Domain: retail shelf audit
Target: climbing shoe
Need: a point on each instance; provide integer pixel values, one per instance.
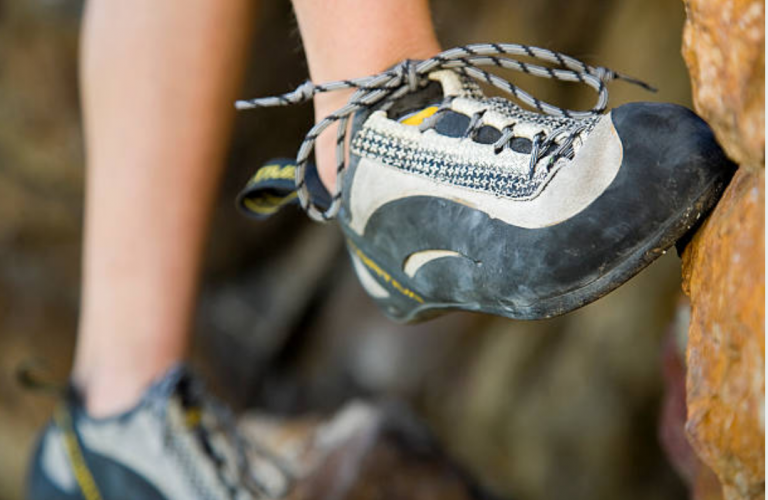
(176, 443)
(453, 200)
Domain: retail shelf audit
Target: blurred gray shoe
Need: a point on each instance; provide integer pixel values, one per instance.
(176, 443)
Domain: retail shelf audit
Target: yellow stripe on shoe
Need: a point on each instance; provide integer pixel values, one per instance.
(79, 466)
(268, 204)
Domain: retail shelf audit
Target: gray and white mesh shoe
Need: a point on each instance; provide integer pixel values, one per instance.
(453, 200)
(177, 443)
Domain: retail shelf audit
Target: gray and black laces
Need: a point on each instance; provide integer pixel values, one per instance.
(230, 456)
(409, 76)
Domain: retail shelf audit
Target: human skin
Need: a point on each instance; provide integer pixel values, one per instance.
(353, 38)
(157, 111)
(157, 83)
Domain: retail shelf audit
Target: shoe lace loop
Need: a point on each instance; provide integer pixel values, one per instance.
(197, 403)
(252, 483)
(409, 75)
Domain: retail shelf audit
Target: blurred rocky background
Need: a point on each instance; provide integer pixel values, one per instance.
(568, 408)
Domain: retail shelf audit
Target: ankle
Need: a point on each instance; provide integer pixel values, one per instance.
(325, 147)
(327, 103)
(108, 391)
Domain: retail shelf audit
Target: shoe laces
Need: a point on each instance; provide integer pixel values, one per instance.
(410, 75)
(214, 427)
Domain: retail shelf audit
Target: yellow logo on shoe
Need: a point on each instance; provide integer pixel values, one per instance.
(269, 172)
(385, 276)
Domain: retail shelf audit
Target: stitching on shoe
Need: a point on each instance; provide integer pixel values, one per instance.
(438, 164)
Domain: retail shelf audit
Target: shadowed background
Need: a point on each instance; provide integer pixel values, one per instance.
(565, 408)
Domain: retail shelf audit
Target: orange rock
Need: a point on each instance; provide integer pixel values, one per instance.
(724, 274)
(723, 46)
(701, 481)
(724, 271)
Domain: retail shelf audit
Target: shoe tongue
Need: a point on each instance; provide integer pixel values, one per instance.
(444, 84)
(456, 85)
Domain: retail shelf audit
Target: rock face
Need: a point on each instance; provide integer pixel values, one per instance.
(723, 45)
(701, 481)
(725, 278)
(724, 271)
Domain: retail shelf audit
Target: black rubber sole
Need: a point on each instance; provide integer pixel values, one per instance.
(678, 229)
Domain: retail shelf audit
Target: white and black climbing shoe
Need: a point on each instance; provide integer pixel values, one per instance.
(177, 443)
(454, 200)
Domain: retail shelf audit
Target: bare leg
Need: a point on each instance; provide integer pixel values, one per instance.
(158, 82)
(351, 38)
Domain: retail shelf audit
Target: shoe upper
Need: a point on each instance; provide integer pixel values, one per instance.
(480, 151)
(176, 443)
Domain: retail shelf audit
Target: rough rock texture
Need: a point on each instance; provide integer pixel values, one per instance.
(702, 482)
(725, 277)
(724, 269)
(723, 45)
